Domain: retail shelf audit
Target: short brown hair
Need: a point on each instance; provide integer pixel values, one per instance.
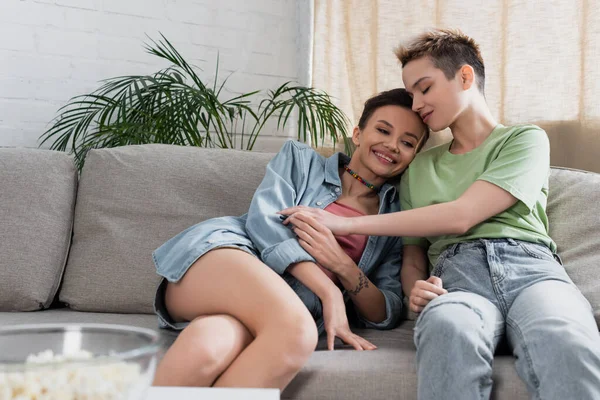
(393, 97)
(448, 49)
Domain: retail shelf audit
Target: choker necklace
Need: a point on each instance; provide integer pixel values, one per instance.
(361, 180)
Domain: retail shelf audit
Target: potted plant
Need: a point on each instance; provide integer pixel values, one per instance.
(175, 106)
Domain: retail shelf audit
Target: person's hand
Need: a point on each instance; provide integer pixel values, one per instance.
(337, 225)
(319, 242)
(336, 323)
(425, 291)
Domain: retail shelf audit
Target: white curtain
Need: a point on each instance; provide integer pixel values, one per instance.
(542, 60)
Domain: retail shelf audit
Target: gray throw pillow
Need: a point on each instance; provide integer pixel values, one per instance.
(37, 196)
(574, 217)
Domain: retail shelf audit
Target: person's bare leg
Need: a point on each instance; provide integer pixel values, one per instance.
(203, 350)
(232, 282)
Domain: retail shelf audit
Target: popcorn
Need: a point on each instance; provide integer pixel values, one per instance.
(115, 380)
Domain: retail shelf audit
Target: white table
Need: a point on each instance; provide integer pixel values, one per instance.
(187, 393)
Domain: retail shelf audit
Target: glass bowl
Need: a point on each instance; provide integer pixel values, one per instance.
(77, 361)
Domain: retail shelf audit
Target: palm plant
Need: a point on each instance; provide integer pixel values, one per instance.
(175, 106)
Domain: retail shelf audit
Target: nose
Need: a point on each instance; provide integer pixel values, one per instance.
(392, 144)
(417, 104)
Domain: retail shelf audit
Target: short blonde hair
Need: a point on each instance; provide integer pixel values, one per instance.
(448, 49)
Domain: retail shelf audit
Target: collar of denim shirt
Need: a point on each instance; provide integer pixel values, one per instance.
(332, 176)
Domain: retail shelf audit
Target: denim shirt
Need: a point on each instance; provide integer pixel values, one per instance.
(298, 175)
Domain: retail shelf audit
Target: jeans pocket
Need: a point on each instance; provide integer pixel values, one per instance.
(558, 259)
(536, 250)
(444, 255)
(439, 266)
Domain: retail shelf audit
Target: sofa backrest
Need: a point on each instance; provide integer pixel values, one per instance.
(131, 200)
(37, 197)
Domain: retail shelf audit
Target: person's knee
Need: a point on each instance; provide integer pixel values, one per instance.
(448, 319)
(565, 340)
(580, 349)
(207, 352)
(561, 359)
(297, 338)
(301, 334)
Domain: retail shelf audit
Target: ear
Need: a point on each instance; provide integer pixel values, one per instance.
(467, 76)
(355, 135)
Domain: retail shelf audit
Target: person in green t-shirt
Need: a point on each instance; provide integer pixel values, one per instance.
(478, 263)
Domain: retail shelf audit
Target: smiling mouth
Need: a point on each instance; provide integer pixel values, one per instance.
(384, 157)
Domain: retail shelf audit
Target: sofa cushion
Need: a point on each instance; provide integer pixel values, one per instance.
(131, 200)
(574, 215)
(37, 196)
(386, 373)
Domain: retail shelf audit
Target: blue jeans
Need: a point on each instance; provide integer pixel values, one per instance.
(513, 288)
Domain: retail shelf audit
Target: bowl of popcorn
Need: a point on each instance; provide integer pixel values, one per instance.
(76, 361)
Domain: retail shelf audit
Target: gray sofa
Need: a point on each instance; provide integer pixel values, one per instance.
(79, 249)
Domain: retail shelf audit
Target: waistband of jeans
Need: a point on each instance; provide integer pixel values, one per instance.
(453, 249)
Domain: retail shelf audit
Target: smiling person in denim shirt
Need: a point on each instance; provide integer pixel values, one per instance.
(251, 294)
(474, 212)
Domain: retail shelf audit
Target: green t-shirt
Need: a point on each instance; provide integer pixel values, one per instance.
(515, 158)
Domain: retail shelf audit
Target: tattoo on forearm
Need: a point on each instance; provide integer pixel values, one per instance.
(363, 282)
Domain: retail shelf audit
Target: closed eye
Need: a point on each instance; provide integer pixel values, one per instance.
(426, 90)
(384, 131)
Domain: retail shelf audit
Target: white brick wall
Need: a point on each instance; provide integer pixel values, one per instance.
(52, 50)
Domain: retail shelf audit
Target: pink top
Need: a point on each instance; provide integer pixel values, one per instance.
(353, 245)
